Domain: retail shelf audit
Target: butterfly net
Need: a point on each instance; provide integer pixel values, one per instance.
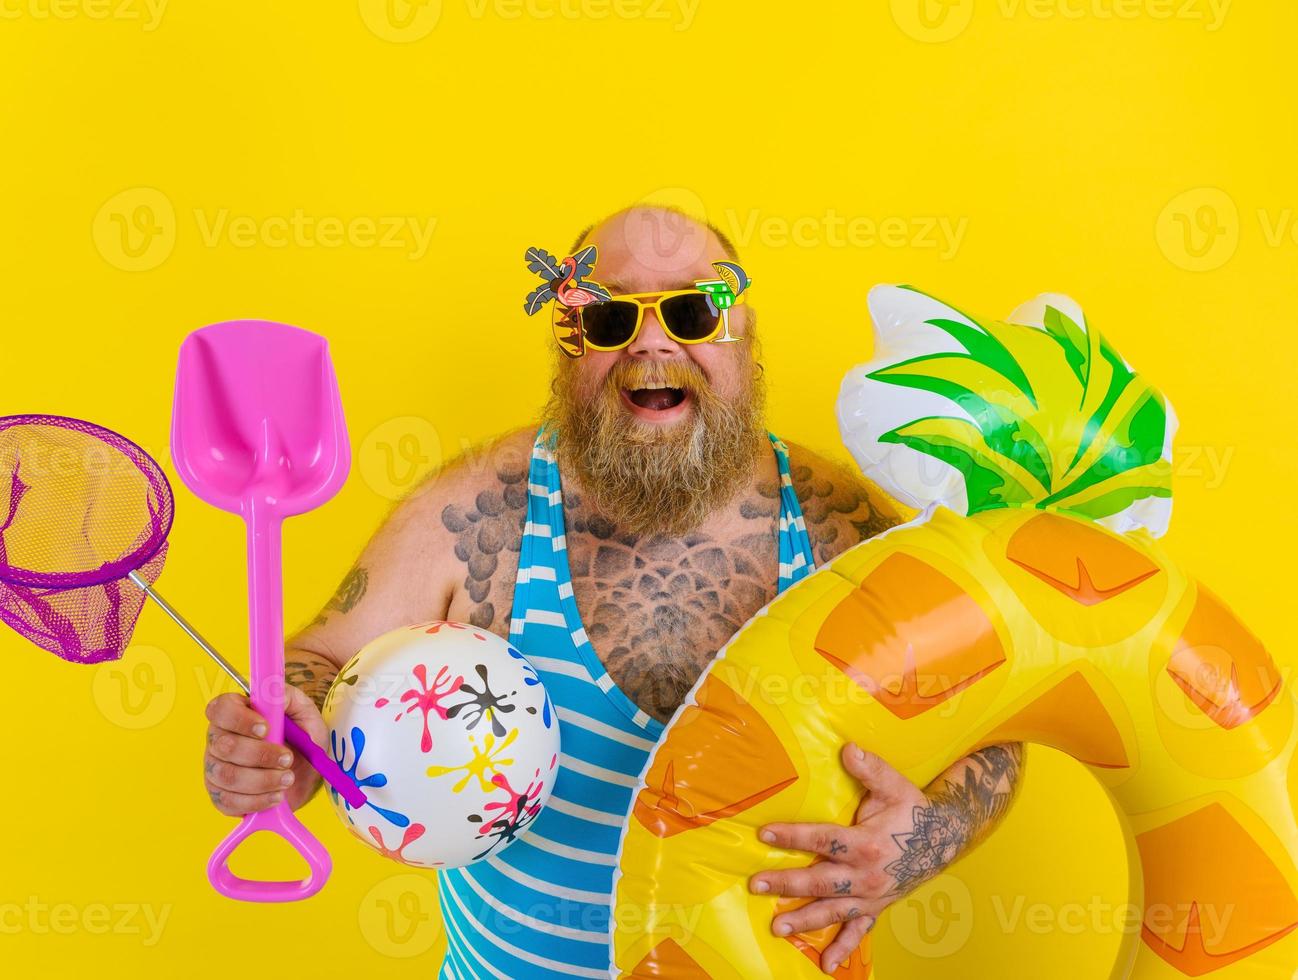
(81, 507)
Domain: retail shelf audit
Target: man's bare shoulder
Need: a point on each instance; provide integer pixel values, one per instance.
(446, 550)
(487, 468)
(839, 507)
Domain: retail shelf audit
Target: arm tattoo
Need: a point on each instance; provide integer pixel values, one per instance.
(351, 591)
(957, 816)
(348, 595)
(311, 674)
(486, 533)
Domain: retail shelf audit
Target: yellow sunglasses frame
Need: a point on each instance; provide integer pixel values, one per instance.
(646, 301)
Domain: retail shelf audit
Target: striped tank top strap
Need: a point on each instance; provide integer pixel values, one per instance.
(797, 560)
(536, 568)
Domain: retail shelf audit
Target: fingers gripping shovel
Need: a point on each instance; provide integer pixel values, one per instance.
(258, 430)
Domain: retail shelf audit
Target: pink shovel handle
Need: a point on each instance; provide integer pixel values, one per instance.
(323, 763)
(266, 683)
(277, 820)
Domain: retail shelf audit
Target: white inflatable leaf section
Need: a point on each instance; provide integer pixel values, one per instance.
(868, 409)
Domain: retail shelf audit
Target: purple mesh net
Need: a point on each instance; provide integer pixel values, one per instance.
(81, 507)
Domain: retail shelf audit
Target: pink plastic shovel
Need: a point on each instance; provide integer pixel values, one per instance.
(257, 429)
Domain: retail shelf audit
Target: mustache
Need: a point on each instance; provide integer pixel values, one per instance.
(674, 374)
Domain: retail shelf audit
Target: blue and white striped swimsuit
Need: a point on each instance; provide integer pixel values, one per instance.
(540, 908)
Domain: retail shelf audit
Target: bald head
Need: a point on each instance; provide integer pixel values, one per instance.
(647, 248)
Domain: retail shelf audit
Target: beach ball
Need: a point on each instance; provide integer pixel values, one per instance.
(450, 733)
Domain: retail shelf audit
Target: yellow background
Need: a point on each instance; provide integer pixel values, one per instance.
(1138, 154)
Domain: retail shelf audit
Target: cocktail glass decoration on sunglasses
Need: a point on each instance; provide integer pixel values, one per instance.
(723, 292)
(84, 519)
(565, 282)
(258, 430)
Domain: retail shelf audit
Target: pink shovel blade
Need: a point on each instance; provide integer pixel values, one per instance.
(258, 430)
(257, 417)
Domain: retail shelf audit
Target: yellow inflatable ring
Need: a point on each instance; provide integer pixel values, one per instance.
(1028, 602)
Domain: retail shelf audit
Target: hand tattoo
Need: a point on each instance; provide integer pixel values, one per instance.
(837, 847)
(956, 816)
(842, 888)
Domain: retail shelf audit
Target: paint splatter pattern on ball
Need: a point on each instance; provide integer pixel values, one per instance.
(453, 738)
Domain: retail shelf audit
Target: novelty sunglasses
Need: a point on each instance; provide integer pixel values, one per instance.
(688, 316)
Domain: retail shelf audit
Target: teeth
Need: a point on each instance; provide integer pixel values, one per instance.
(654, 386)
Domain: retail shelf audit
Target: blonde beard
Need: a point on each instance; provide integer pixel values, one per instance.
(650, 479)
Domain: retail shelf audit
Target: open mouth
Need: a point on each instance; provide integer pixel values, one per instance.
(656, 399)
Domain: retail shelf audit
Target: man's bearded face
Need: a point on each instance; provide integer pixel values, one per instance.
(656, 444)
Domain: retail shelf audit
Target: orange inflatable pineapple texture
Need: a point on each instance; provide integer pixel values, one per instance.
(1029, 602)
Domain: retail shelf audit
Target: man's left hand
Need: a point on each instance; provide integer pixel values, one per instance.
(861, 870)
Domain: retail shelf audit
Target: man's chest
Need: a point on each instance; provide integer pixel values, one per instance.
(658, 609)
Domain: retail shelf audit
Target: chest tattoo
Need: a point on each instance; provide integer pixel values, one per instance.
(657, 609)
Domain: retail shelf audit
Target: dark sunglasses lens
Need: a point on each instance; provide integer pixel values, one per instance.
(609, 324)
(690, 317)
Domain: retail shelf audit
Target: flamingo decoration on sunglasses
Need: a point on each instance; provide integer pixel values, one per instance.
(564, 280)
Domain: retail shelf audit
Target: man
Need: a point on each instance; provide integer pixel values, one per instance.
(619, 548)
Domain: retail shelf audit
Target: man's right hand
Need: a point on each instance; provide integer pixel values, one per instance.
(243, 772)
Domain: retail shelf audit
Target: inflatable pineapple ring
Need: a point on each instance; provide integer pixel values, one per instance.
(1028, 602)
